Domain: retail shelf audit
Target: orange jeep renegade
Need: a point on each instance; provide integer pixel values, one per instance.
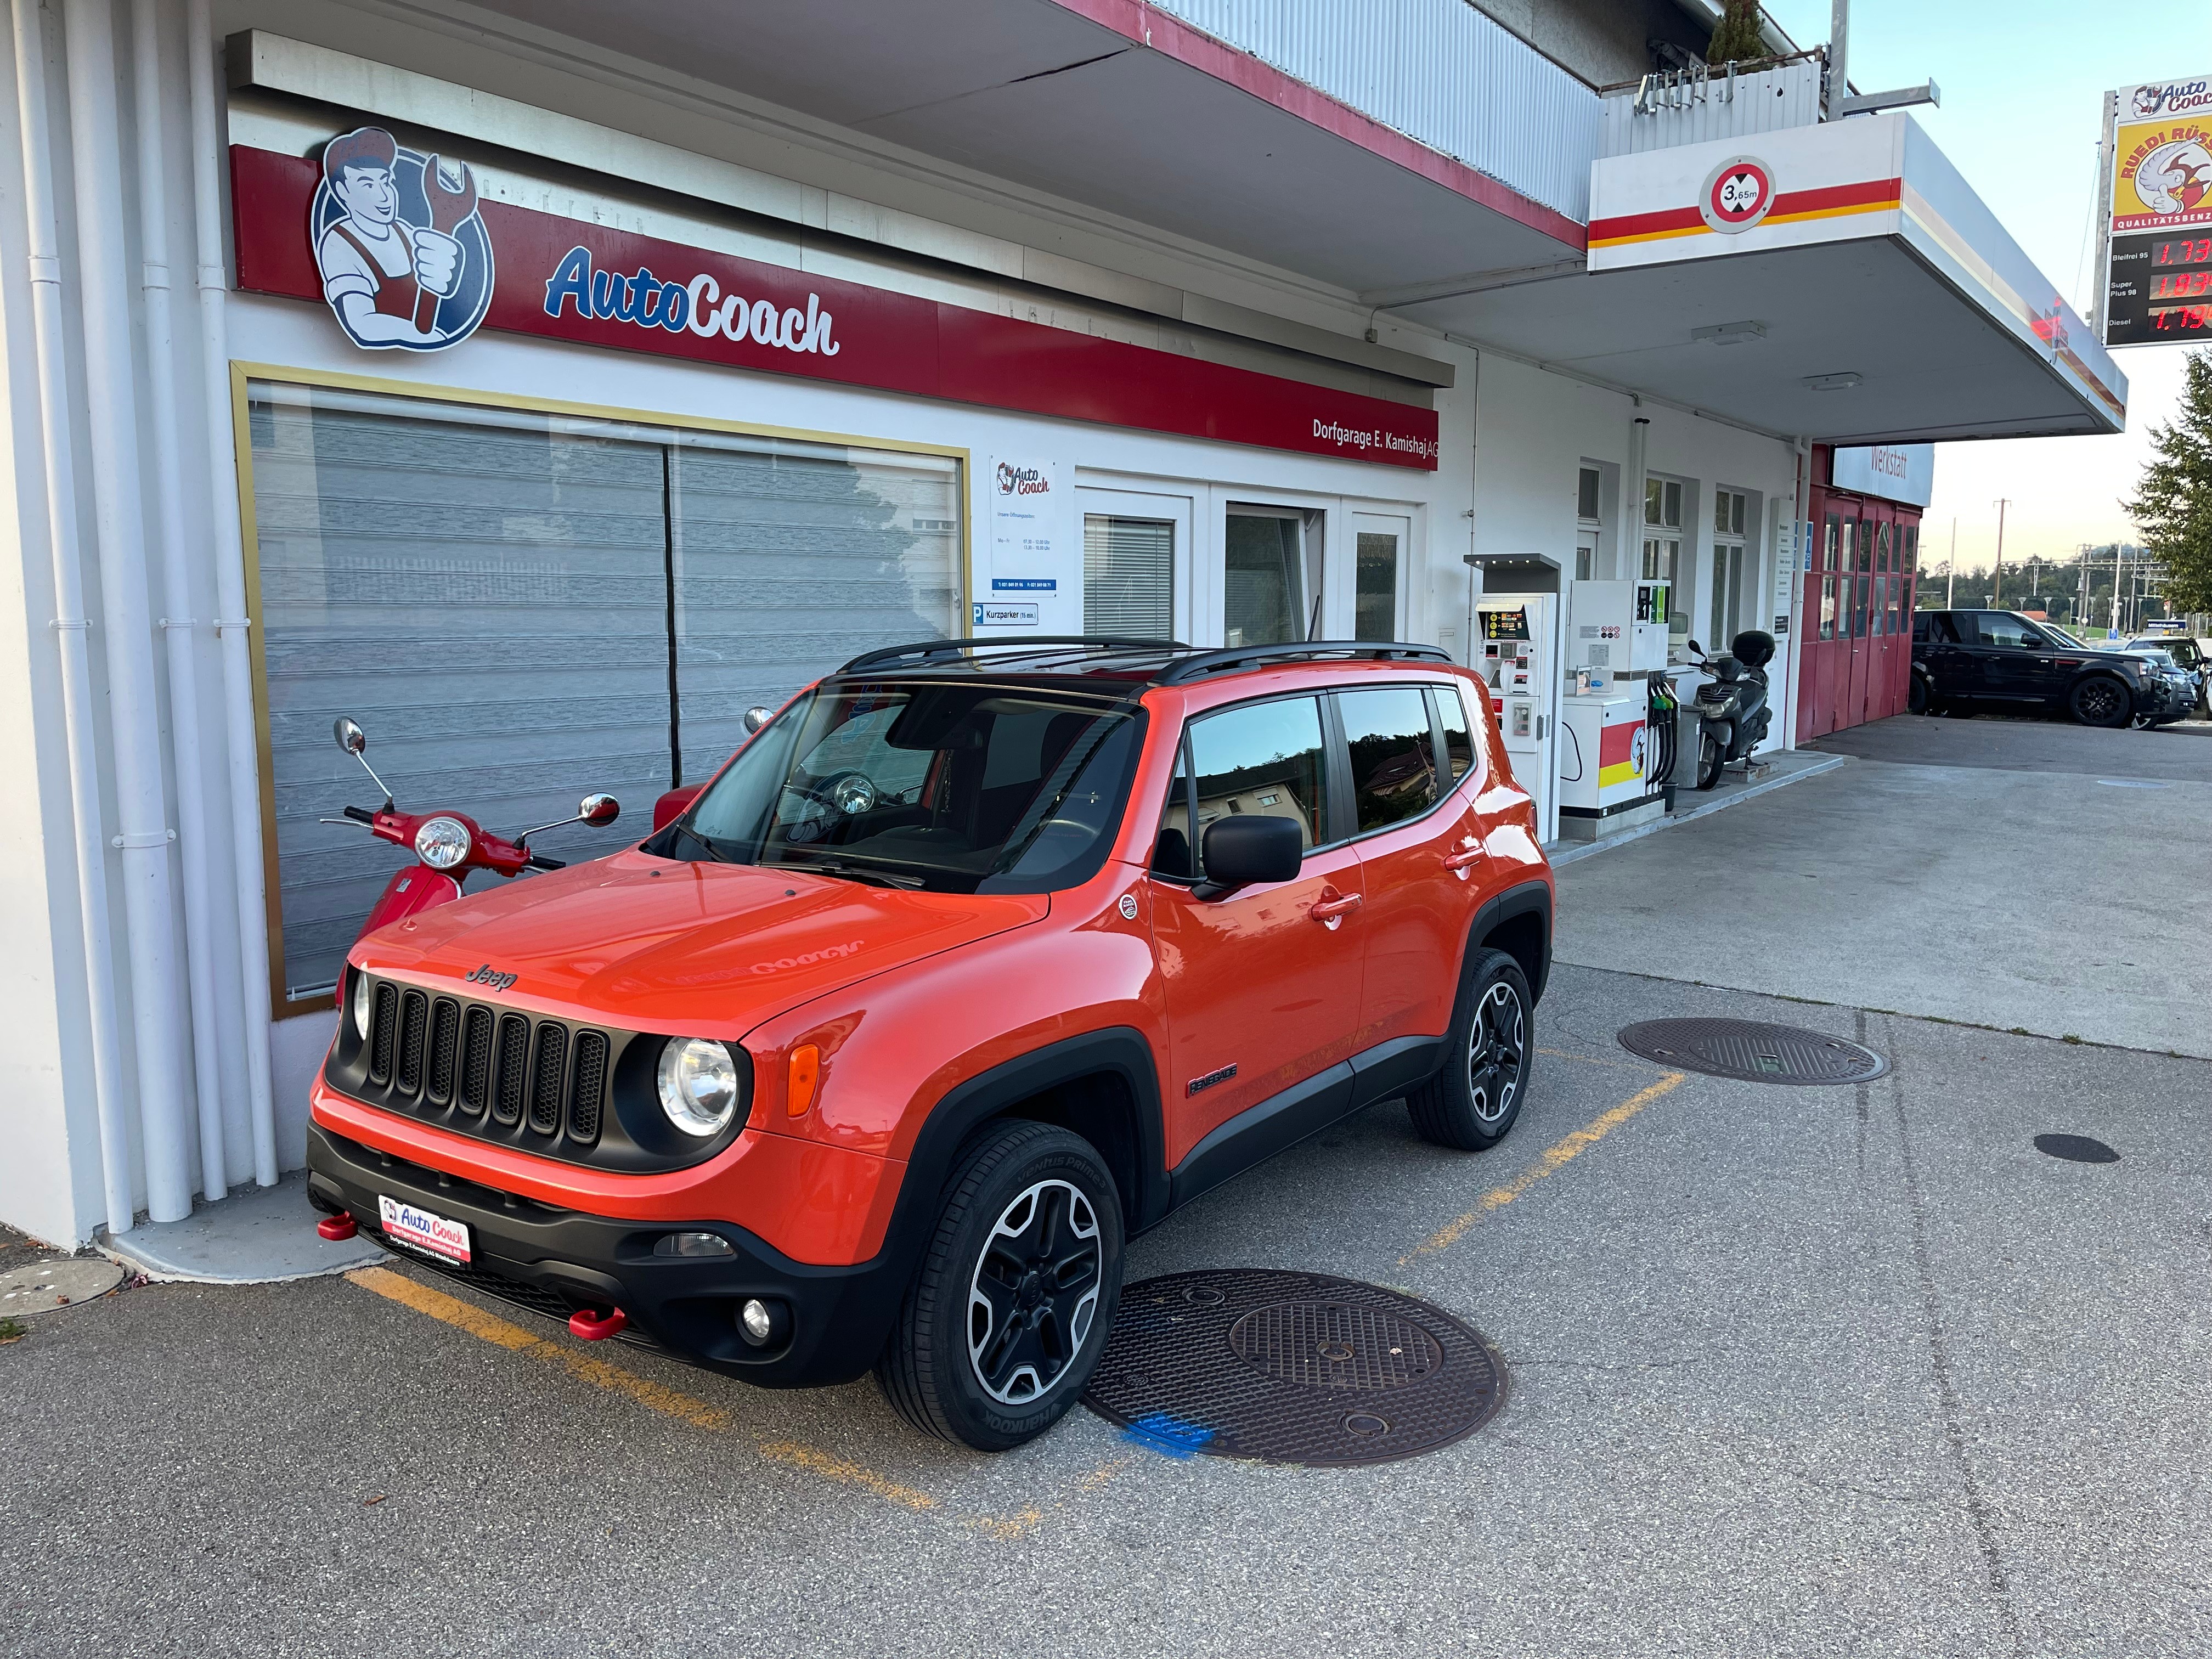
(979, 958)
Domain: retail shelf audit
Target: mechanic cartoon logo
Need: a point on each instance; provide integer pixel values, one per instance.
(1738, 194)
(2175, 178)
(405, 261)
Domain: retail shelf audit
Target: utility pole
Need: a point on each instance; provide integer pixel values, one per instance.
(1951, 568)
(1996, 577)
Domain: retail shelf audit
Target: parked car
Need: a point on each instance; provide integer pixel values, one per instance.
(2000, 659)
(2179, 688)
(974, 961)
(2193, 656)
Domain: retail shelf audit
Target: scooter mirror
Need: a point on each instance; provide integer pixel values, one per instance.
(350, 737)
(756, 717)
(1695, 647)
(599, 810)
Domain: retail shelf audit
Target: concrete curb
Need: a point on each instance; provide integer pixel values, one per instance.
(1821, 763)
(262, 1237)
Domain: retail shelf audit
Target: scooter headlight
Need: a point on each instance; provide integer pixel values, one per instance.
(698, 1086)
(442, 843)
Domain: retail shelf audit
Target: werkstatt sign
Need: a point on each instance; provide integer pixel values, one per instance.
(1896, 472)
(408, 259)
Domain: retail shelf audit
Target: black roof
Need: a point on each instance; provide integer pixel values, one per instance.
(1152, 662)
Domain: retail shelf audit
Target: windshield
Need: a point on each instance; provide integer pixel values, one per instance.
(951, 788)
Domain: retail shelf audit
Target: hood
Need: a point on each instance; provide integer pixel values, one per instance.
(649, 944)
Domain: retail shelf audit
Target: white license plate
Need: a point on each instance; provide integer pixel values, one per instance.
(403, 1224)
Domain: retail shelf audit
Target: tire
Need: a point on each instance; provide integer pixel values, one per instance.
(983, 1304)
(1710, 757)
(1474, 1098)
(1916, 696)
(2100, 700)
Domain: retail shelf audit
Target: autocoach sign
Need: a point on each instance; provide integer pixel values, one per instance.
(399, 247)
(2158, 236)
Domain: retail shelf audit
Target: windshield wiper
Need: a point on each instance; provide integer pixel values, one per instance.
(851, 873)
(713, 851)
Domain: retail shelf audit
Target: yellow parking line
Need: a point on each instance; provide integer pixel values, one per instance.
(489, 1328)
(673, 1402)
(1556, 1156)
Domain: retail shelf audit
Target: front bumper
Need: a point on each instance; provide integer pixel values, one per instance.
(554, 1261)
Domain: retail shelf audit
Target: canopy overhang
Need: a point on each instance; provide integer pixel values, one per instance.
(1839, 281)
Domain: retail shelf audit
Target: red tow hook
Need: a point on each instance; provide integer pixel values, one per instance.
(338, 1227)
(596, 1327)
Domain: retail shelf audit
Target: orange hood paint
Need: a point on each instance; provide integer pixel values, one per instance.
(706, 949)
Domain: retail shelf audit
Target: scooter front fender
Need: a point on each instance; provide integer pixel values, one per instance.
(410, 891)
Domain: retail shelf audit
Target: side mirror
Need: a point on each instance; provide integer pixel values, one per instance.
(756, 717)
(1697, 649)
(1246, 849)
(599, 810)
(673, 804)
(350, 737)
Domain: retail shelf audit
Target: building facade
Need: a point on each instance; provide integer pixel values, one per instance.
(541, 386)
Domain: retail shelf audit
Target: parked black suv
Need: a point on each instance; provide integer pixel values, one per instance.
(2000, 659)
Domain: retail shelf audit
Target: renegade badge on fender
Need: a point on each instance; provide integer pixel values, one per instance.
(976, 959)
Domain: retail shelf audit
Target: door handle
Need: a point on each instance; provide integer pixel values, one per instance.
(1333, 907)
(1458, 861)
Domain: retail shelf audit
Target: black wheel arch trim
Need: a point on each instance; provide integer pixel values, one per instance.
(1527, 898)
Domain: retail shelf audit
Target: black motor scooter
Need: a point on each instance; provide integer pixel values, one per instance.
(1733, 712)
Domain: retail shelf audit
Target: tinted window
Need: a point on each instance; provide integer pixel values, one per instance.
(1920, 626)
(1171, 848)
(2002, 631)
(1265, 758)
(1942, 629)
(951, 788)
(1459, 736)
(1394, 762)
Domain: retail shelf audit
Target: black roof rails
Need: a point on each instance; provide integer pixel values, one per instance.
(928, 651)
(1200, 664)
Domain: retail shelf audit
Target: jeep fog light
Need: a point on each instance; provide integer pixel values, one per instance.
(693, 1244)
(764, 1323)
(698, 1084)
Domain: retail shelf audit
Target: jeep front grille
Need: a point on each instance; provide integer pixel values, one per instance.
(496, 1073)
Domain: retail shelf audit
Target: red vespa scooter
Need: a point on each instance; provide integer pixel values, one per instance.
(447, 845)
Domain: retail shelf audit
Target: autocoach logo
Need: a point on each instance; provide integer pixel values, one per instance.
(2171, 98)
(1738, 194)
(405, 261)
(698, 304)
(1022, 480)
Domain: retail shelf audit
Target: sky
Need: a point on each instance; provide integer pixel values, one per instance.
(2023, 85)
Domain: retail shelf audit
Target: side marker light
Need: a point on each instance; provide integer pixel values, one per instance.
(805, 1075)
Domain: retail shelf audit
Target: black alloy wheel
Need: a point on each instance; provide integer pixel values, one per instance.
(1008, 1313)
(1475, 1098)
(2100, 700)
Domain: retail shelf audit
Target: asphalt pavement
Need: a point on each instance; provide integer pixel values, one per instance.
(1793, 1370)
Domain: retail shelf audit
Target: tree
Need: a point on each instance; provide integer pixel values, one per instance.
(1737, 37)
(2173, 503)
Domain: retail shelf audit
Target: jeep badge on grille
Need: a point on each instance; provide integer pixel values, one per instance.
(489, 977)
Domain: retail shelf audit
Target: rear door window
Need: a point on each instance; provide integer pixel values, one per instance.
(1458, 731)
(1393, 748)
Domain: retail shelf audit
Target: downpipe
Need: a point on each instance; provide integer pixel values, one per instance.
(242, 746)
(70, 625)
(208, 1018)
(135, 734)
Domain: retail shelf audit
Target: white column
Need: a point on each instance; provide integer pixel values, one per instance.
(70, 625)
(111, 412)
(242, 749)
(211, 1010)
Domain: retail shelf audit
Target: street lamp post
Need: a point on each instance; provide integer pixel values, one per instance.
(1996, 577)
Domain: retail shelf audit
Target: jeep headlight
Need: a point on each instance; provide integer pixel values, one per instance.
(361, 999)
(442, 843)
(698, 1083)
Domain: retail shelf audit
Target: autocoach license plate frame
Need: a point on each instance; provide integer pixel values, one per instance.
(425, 1230)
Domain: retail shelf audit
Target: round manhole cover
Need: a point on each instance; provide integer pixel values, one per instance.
(63, 1283)
(1752, 1051)
(1291, 1368)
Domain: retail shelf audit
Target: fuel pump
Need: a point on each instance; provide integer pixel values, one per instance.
(1612, 763)
(1517, 653)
